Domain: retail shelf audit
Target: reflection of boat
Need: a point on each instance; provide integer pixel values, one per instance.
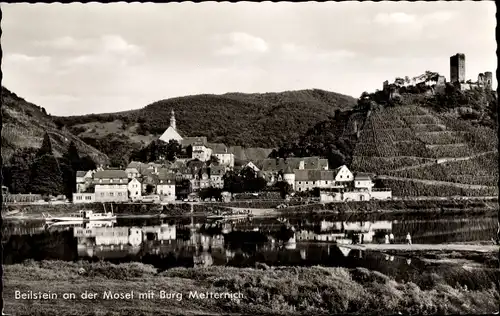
(82, 216)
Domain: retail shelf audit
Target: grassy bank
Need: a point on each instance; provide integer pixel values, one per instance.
(272, 291)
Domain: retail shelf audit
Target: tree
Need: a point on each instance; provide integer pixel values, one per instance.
(46, 176)
(150, 188)
(173, 149)
(46, 147)
(213, 161)
(284, 188)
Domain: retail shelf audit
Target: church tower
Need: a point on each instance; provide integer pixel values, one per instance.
(172, 120)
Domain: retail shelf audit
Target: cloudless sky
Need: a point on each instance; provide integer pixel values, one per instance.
(92, 58)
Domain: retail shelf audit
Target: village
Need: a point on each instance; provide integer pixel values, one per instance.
(156, 183)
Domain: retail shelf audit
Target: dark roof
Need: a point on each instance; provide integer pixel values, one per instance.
(192, 140)
(362, 176)
(288, 170)
(218, 148)
(217, 170)
(110, 174)
(271, 164)
(314, 175)
(81, 173)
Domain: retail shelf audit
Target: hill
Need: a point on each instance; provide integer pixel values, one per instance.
(236, 119)
(421, 145)
(25, 124)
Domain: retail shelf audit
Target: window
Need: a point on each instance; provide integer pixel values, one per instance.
(314, 182)
(88, 198)
(119, 194)
(300, 182)
(111, 194)
(326, 182)
(340, 177)
(100, 180)
(102, 193)
(110, 180)
(78, 197)
(136, 192)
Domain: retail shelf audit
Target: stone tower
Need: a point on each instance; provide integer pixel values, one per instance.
(289, 177)
(172, 120)
(457, 68)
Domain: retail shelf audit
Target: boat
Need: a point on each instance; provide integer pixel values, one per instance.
(229, 216)
(82, 216)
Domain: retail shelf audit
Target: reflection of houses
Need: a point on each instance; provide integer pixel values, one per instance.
(203, 259)
(343, 231)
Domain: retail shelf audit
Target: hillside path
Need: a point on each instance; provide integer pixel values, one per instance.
(443, 160)
(435, 182)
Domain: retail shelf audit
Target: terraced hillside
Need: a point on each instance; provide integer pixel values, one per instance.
(24, 125)
(418, 152)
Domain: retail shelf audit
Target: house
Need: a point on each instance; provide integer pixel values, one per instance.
(149, 182)
(111, 186)
(201, 152)
(83, 180)
(166, 186)
(132, 173)
(272, 169)
(363, 181)
(216, 173)
(220, 151)
(135, 189)
(252, 166)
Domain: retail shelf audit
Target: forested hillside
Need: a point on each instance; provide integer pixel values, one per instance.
(236, 119)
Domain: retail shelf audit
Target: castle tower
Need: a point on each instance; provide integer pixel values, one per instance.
(457, 68)
(172, 120)
(488, 79)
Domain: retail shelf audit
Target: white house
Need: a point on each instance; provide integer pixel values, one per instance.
(134, 189)
(83, 180)
(132, 173)
(221, 153)
(201, 152)
(111, 186)
(252, 166)
(343, 174)
(165, 186)
(363, 182)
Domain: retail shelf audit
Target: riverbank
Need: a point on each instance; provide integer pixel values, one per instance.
(269, 290)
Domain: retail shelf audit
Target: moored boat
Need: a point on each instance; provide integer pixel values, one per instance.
(82, 216)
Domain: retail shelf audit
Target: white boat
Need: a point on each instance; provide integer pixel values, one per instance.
(82, 216)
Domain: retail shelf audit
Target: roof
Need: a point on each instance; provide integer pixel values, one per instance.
(362, 176)
(218, 148)
(191, 140)
(81, 173)
(137, 179)
(169, 134)
(132, 170)
(288, 170)
(165, 175)
(217, 170)
(323, 163)
(110, 174)
(272, 164)
(314, 175)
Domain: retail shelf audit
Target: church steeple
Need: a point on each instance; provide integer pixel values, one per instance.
(172, 120)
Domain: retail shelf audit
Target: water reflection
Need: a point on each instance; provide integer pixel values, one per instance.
(196, 242)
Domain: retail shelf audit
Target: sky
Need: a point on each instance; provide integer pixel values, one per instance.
(77, 58)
